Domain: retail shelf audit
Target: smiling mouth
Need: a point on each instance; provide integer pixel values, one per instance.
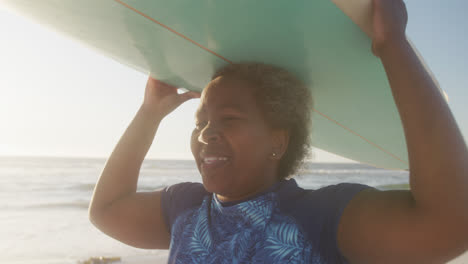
(214, 162)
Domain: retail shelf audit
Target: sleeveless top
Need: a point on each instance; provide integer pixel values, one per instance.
(285, 224)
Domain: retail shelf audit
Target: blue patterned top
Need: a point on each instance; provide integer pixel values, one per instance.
(285, 224)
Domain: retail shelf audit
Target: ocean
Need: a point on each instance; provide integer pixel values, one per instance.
(44, 201)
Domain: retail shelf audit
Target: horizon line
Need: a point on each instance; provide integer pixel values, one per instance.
(25, 156)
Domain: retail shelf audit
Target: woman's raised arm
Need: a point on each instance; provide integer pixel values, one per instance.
(116, 208)
(428, 224)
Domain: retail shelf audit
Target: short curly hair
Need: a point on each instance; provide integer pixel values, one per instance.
(285, 102)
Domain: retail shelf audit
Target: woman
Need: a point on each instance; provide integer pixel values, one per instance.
(246, 212)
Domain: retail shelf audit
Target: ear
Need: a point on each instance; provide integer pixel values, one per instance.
(280, 141)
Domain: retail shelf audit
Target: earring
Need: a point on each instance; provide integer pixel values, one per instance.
(273, 154)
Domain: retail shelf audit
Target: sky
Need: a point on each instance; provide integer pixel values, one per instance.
(59, 98)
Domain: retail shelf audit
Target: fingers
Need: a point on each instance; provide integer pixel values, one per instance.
(375, 50)
(152, 82)
(389, 21)
(189, 95)
(181, 97)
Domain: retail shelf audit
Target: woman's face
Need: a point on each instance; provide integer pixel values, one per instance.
(232, 143)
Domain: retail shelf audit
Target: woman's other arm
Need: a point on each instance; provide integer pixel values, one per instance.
(135, 218)
(428, 224)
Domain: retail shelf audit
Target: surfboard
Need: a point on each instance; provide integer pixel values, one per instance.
(325, 43)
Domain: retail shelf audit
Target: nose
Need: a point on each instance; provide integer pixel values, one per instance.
(209, 134)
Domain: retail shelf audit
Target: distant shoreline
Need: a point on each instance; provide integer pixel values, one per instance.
(51, 157)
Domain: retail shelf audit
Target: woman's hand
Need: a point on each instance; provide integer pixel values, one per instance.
(162, 98)
(117, 208)
(389, 19)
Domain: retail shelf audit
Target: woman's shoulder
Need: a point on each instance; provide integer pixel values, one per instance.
(184, 187)
(316, 214)
(185, 194)
(180, 197)
(343, 190)
(290, 190)
(318, 204)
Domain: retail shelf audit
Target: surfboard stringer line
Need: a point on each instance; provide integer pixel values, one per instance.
(228, 61)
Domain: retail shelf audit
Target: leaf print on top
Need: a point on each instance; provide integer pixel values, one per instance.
(240, 233)
(284, 242)
(286, 224)
(200, 242)
(258, 212)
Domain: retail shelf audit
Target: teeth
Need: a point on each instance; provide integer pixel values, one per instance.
(210, 160)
